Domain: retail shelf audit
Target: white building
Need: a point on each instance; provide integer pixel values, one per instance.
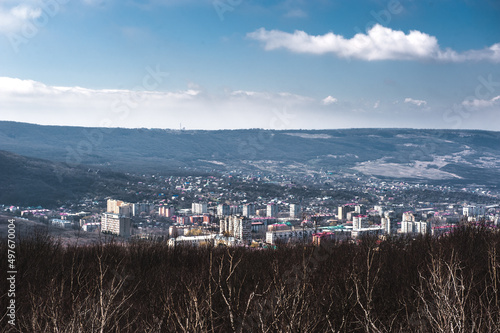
(359, 222)
(422, 227)
(91, 227)
(240, 227)
(120, 207)
(388, 225)
(192, 240)
(286, 236)
(166, 211)
(199, 208)
(222, 209)
(373, 230)
(62, 223)
(116, 224)
(295, 210)
(204, 240)
(474, 210)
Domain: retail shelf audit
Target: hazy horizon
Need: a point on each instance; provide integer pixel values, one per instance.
(258, 128)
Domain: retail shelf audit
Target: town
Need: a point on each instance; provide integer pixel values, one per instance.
(259, 211)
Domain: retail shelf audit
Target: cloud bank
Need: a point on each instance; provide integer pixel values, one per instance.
(194, 108)
(36, 102)
(379, 43)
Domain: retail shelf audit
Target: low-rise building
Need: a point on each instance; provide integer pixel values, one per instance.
(91, 227)
(373, 230)
(330, 236)
(286, 236)
(62, 223)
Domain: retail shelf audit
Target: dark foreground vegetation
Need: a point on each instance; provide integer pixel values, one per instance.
(446, 284)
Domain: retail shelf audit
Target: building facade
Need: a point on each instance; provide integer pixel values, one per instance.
(116, 224)
(272, 210)
(287, 236)
(240, 227)
(199, 208)
(295, 211)
(249, 210)
(223, 209)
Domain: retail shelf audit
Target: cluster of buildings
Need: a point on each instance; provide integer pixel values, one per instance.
(242, 224)
(237, 209)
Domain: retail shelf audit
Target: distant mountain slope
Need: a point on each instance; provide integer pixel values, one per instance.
(30, 181)
(451, 155)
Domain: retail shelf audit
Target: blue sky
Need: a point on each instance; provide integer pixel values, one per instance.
(213, 64)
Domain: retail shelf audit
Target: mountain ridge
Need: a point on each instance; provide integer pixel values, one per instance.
(423, 154)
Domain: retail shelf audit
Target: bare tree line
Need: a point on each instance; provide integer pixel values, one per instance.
(447, 284)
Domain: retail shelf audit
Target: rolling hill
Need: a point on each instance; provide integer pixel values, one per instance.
(456, 156)
(32, 182)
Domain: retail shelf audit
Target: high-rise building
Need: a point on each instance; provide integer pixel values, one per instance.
(116, 224)
(120, 207)
(359, 222)
(239, 227)
(422, 227)
(406, 227)
(295, 211)
(199, 208)
(112, 205)
(223, 209)
(343, 210)
(272, 210)
(360, 209)
(166, 211)
(387, 225)
(235, 210)
(261, 212)
(249, 210)
(142, 207)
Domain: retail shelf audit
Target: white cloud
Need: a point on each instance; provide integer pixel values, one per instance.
(376, 105)
(329, 100)
(14, 18)
(482, 103)
(416, 102)
(380, 43)
(29, 88)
